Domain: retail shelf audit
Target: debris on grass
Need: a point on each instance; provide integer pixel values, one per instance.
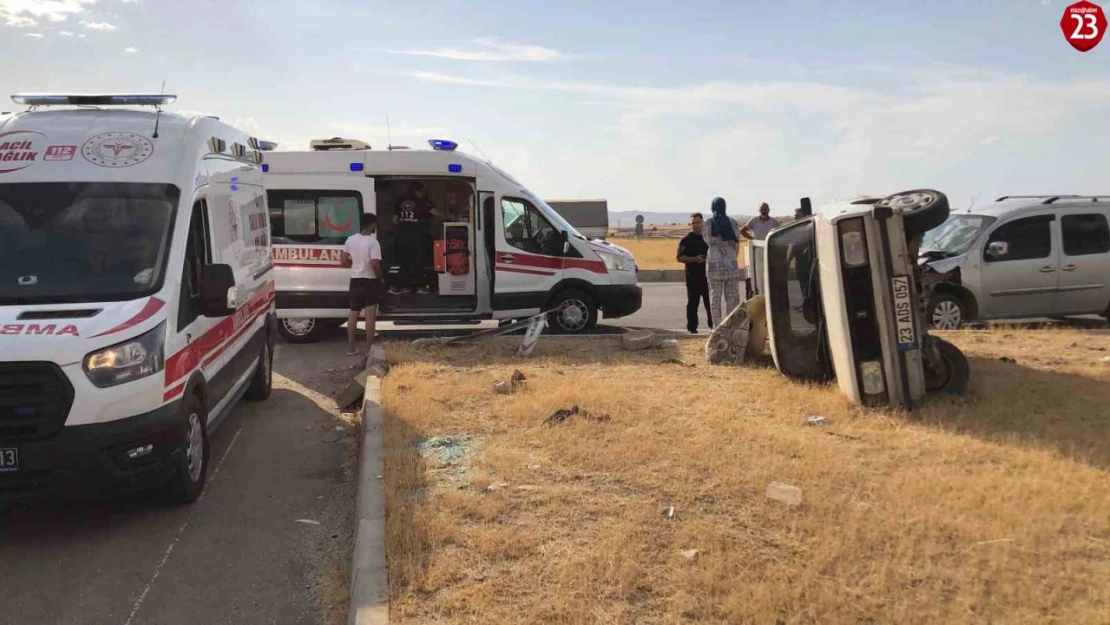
(784, 493)
(690, 554)
(1009, 360)
(563, 415)
(817, 420)
(676, 361)
(668, 512)
(449, 454)
(637, 340)
(510, 386)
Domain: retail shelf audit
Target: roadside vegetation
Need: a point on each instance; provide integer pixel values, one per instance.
(659, 252)
(649, 503)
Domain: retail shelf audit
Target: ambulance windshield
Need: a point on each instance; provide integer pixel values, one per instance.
(79, 242)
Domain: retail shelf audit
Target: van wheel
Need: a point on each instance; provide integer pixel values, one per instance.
(922, 209)
(192, 470)
(949, 373)
(947, 312)
(262, 382)
(301, 329)
(574, 312)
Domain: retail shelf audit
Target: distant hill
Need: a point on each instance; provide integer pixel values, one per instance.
(627, 219)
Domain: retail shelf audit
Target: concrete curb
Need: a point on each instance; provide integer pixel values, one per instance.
(369, 569)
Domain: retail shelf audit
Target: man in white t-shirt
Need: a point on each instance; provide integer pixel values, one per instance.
(363, 254)
(758, 227)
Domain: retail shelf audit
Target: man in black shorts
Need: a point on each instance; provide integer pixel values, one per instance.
(412, 240)
(363, 255)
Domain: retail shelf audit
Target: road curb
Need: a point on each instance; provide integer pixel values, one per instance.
(369, 569)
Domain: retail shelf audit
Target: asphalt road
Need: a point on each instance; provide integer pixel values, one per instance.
(238, 555)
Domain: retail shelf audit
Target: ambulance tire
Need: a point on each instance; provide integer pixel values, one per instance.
(572, 312)
(301, 330)
(189, 480)
(955, 378)
(262, 382)
(922, 209)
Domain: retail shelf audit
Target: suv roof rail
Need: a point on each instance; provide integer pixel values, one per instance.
(1052, 196)
(1093, 198)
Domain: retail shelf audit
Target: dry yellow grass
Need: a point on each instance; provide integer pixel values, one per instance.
(660, 253)
(987, 509)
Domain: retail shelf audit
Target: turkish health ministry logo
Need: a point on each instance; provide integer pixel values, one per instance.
(1083, 24)
(117, 149)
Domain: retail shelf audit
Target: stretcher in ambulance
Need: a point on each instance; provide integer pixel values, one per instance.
(136, 294)
(462, 241)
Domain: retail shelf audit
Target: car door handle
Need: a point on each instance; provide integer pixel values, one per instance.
(1047, 270)
(507, 258)
(1069, 267)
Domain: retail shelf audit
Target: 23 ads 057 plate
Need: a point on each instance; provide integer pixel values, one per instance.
(9, 460)
(903, 313)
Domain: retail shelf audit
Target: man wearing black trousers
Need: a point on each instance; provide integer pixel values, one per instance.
(691, 252)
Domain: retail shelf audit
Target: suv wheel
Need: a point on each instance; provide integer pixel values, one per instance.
(301, 329)
(922, 209)
(947, 312)
(575, 312)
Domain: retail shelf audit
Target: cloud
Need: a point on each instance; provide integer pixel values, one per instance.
(131, 50)
(102, 26)
(65, 33)
(28, 13)
(34, 35)
(490, 49)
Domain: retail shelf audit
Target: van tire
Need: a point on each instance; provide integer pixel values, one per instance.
(955, 379)
(572, 312)
(922, 209)
(262, 382)
(947, 312)
(189, 480)
(301, 330)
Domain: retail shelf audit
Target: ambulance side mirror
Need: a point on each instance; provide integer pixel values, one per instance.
(216, 284)
(566, 241)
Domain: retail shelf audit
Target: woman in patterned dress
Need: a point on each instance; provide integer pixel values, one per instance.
(721, 267)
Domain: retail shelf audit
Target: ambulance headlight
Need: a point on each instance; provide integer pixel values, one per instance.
(137, 358)
(617, 262)
(853, 243)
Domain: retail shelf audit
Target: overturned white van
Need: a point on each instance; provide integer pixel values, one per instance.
(136, 293)
(494, 249)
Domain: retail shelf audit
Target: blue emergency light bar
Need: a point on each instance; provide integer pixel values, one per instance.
(265, 167)
(356, 166)
(92, 99)
(443, 144)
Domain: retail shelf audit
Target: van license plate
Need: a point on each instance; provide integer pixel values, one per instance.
(903, 313)
(9, 460)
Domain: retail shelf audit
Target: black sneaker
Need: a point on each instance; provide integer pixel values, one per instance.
(423, 290)
(396, 291)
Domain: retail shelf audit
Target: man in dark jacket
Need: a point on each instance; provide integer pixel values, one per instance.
(691, 252)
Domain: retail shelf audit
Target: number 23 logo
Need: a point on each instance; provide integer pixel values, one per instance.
(1083, 25)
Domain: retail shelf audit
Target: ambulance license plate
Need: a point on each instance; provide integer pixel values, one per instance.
(903, 313)
(9, 460)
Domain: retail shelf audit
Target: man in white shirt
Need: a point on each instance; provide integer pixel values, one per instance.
(363, 254)
(758, 227)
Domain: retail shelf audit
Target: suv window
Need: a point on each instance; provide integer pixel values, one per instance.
(527, 229)
(1085, 234)
(313, 217)
(1029, 238)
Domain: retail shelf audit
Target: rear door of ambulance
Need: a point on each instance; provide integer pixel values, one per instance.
(311, 216)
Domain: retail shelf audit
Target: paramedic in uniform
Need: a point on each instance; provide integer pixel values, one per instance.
(363, 254)
(412, 240)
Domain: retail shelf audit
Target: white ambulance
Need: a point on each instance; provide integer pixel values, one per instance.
(136, 294)
(494, 250)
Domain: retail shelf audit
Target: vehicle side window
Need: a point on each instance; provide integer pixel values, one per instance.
(197, 254)
(527, 229)
(313, 217)
(1027, 239)
(1085, 234)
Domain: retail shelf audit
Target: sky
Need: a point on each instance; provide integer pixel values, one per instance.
(652, 106)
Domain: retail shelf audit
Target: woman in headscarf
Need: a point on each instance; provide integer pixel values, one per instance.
(721, 267)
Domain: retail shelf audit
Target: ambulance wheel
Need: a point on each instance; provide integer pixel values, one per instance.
(573, 312)
(262, 382)
(922, 209)
(188, 481)
(301, 329)
(952, 376)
